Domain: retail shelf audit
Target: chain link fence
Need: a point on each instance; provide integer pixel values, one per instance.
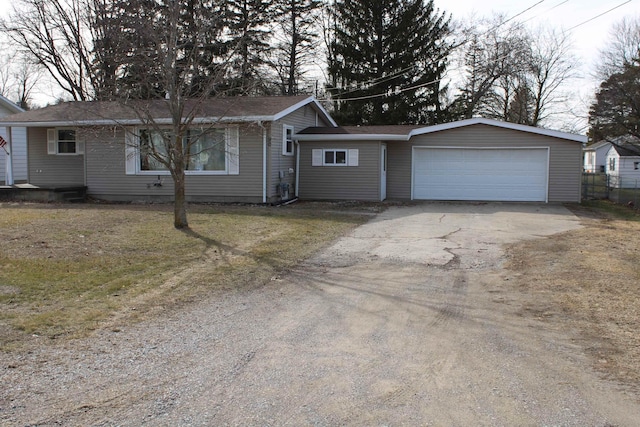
(625, 191)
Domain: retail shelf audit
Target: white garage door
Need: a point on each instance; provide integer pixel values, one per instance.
(480, 174)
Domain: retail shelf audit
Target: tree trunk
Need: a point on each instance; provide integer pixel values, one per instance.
(180, 202)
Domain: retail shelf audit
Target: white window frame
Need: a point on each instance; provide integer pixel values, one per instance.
(318, 157)
(132, 155)
(53, 142)
(335, 152)
(287, 141)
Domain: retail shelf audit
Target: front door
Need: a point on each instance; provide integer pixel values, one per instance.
(383, 172)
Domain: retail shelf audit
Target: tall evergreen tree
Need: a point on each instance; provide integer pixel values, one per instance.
(248, 22)
(127, 46)
(295, 42)
(387, 60)
(616, 110)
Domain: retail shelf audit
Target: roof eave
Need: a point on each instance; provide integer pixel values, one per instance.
(12, 106)
(309, 100)
(350, 137)
(489, 122)
(138, 122)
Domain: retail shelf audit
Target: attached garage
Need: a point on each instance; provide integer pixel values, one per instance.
(488, 174)
(473, 160)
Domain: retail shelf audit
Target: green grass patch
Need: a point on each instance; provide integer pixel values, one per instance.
(612, 210)
(66, 270)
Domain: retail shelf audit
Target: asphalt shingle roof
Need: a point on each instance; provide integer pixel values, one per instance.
(84, 112)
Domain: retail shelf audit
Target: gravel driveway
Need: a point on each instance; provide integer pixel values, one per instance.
(404, 322)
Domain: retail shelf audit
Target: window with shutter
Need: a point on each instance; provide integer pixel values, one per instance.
(335, 157)
(62, 141)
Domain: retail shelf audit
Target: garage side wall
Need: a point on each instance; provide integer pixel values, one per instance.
(565, 164)
(360, 182)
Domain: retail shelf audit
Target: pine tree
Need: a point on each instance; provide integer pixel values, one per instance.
(295, 42)
(248, 22)
(387, 60)
(616, 110)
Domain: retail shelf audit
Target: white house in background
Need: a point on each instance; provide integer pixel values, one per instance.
(623, 165)
(13, 167)
(595, 156)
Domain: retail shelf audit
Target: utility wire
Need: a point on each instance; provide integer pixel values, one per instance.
(546, 11)
(459, 68)
(598, 16)
(515, 16)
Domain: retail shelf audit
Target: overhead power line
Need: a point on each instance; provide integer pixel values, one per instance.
(380, 95)
(598, 16)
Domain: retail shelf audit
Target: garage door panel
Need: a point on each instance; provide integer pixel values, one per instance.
(480, 174)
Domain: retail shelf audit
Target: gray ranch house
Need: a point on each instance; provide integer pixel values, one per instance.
(272, 149)
(250, 156)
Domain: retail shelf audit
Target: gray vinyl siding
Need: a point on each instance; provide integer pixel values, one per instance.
(360, 182)
(18, 151)
(565, 164)
(50, 171)
(19, 145)
(278, 163)
(107, 178)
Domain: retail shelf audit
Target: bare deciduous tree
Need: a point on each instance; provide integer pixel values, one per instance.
(190, 77)
(551, 65)
(622, 49)
(19, 77)
(54, 33)
(513, 73)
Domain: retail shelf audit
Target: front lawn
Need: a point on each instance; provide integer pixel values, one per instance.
(65, 270)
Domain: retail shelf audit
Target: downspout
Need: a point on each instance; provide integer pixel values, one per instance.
(8, 173)
(264, 162)
(297, 187)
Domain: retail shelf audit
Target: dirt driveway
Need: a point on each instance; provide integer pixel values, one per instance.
(404, 322)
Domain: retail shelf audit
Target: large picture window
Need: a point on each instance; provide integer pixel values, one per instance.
(152, 145)
(207, 150)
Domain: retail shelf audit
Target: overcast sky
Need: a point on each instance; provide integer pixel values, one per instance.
(588, 37)
(587, 21)
(568, 15)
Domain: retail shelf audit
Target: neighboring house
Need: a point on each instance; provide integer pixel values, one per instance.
(595, 156)
(13, 167)
(278, 148)
(474, 159)
(623, 165)
(250, 157)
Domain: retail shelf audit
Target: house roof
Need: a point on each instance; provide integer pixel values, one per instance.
(406, 132)
(232, 109)
(627, 150)
(11, 106)
(597, 145)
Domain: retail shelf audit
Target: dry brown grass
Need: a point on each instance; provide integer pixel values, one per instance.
(67, 270)
(589, 279)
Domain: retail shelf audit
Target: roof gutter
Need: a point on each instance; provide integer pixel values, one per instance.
(137, 122)
(264, 161)
(351, 137)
